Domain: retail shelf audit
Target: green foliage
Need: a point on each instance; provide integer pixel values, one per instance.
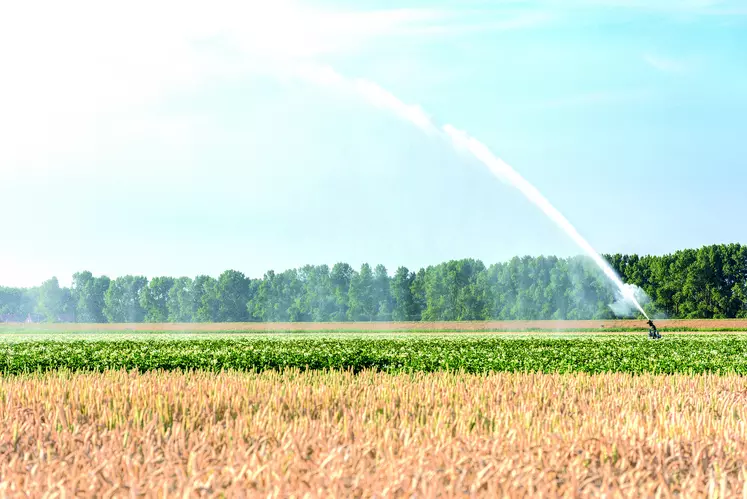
(319, 298)
(382, 294)
(122, 299)
(205, 296)
(454, 291)
(181, 303)
(707, 283)
(88, 294)
(420, 302)
(404, 307)
(154, 299)
(53, 302)
(232, 292)
(279, 298)
(627, 354)
(16, 304)
(340, 278)
(361, 299)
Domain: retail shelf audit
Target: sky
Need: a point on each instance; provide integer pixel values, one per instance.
(183, 138)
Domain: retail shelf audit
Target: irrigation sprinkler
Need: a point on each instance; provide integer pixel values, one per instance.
(653, 333)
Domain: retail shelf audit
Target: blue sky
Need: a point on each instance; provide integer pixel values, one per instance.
(169, 138)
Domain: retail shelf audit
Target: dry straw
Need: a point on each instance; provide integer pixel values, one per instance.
(322, 434)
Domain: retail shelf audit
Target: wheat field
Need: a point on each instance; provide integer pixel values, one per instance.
(332, 434)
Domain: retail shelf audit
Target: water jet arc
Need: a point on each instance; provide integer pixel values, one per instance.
(380, 97)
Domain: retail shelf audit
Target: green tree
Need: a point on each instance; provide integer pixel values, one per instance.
(52, 300)
(739, 284)
(454, 291)
(265, 306)
(419, 299)
(233, 293)
(404, 307)
(154, 299)
(205, 297)
(15, 304)
(280, 298)
(318, 294)
(382, 294)
(709, 282)
(122, 299)
(340, 278)
(181, 304)
(361, 299)
(468, 276)
(502, 294)
(88, 294)
(556, 294)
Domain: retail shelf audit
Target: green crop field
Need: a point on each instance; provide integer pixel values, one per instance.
(469, 353)
(317, 407)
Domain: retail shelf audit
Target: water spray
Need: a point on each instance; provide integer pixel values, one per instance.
(505, 172)
(380, 97)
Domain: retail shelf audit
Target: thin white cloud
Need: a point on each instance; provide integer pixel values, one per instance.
(666, 64)
(76, 73)
(677, 8)
(600, 98)
(490, 21)
(76, 76)
(72, 71)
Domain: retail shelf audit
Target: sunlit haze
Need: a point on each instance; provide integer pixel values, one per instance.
(184, 138)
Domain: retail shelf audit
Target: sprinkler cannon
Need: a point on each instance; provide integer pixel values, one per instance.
(653, 333)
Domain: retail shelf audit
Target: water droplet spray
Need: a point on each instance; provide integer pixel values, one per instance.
(380, 97)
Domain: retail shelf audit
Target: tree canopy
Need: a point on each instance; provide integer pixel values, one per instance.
(710, 282)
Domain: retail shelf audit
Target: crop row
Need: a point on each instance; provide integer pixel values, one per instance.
(726, 354)
(335, 434)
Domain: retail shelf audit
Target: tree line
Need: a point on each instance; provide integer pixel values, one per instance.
(710, 282)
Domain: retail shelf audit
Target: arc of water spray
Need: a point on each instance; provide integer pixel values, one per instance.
(380, 97)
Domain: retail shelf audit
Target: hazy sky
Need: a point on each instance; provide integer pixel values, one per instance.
(172, 137)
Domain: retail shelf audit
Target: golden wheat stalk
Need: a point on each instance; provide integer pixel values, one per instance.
(323, 434)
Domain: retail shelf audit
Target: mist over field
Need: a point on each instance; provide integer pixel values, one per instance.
(710, 282)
